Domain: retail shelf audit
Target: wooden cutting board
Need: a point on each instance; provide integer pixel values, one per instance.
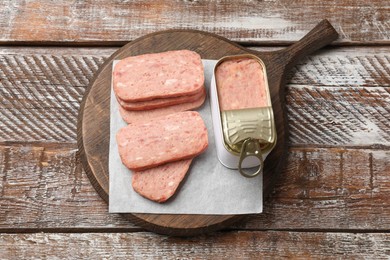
(94, 123)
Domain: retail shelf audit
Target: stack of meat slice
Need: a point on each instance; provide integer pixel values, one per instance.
(161, 140)
(160, 151)
(158, 84)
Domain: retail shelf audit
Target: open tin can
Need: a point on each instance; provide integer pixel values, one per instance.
(244, 131)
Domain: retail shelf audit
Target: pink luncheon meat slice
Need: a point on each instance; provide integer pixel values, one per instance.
(137, 116)
(241, 84)
(158, 75)
(160, 102)
(160, 183)
(174, 137)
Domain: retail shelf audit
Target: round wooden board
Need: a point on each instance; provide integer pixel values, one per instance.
(94, 122)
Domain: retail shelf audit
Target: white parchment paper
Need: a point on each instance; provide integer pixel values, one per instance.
(209, 188)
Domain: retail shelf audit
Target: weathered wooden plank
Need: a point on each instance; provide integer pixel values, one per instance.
(41, 95)
(339, 96)
(99, 22)
(341, 66)
(235, 245)
(330, 188)
(353, 66)
(59, 51)
(337, 189)
(354, 116)
(44, 188)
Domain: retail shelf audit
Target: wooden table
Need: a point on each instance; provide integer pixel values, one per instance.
(331, 200)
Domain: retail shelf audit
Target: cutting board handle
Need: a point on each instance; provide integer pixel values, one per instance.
(321, 35)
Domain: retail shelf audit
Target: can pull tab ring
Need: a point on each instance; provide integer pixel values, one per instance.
(250, 147)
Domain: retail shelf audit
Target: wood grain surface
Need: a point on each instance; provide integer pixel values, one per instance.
(251, 245)
(85, 210)
(346, 89)
(333, 201)
(321, 188)
(261, 22)
(277, 214)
